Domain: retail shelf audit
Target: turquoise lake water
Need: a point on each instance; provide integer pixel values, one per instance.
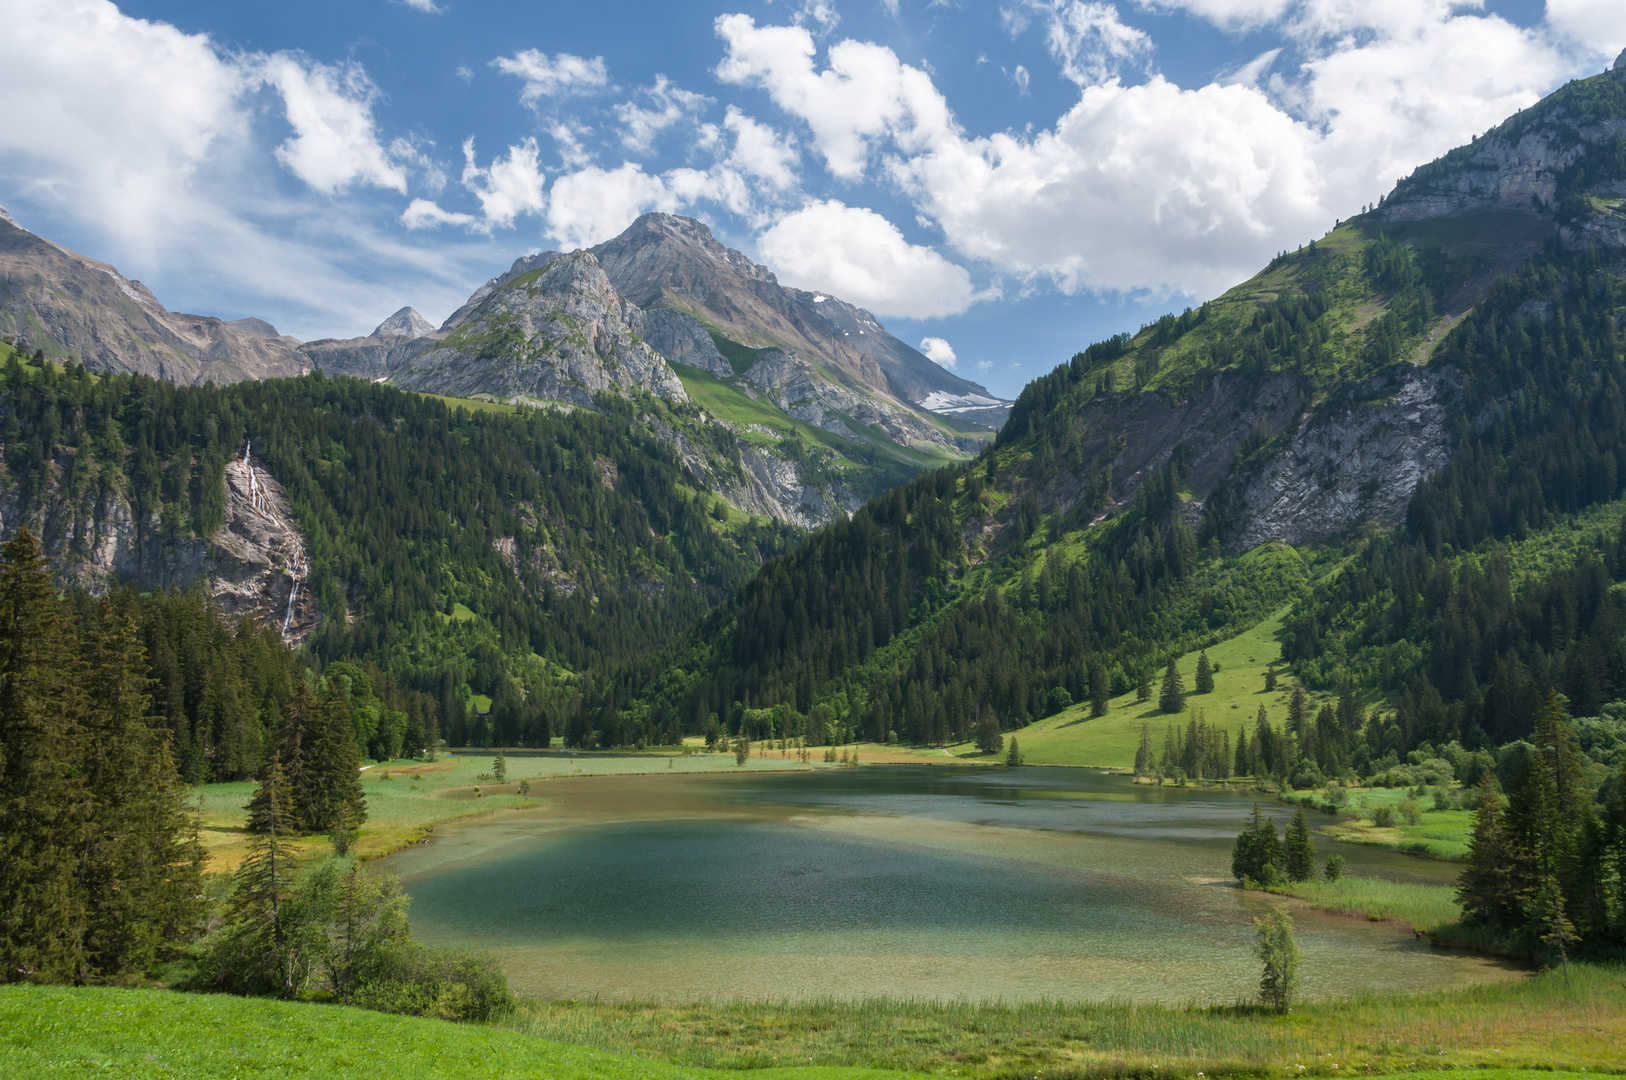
(900, 881)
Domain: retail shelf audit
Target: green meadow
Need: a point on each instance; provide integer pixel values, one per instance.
(1477, 1033)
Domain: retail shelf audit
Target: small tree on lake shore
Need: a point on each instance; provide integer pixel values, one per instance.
(1278, 950)
(1014, 756)
(1298, 856)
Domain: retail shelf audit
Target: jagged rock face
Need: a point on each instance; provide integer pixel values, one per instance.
(77, 308)
(1349, 460)
(406, 323)
(1354, 460)
(1556, 152)
(250, 565)
(663, 260)
(683, 339)
(522, 265)
(373, 357)
(792, 384)
(560, 333)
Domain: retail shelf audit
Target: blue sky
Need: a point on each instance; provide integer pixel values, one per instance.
(1006, 181)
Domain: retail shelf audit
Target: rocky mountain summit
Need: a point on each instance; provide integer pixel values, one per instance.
(75, 308)
(557, 333)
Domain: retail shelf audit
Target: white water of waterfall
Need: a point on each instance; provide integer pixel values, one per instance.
(298, 567)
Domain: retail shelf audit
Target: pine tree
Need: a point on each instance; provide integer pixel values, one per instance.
(1100, 690)
(1143, 685)
(1205, 674)
(266, 950)
(1014, 756)
(44, 809)
(142, 866)
(333, 765)
(1278, 951)
(1243, 766)
(1270, 680)
(1298, 709)
(1172, 698)
(1143, 755)
(1487, 888)
(1298, 856)
(499, 767)
(1256, 855)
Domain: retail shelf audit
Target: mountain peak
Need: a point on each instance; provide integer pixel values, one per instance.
(406, 323)
(251, 326)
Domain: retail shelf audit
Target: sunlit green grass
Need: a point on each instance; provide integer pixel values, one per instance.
(1072, 738)
(1536, 1022)
(49, 1032)
(1422, 907)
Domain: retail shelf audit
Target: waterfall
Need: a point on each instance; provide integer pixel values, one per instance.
(296, 562)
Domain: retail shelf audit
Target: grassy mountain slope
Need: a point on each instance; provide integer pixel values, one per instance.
(1456, 379)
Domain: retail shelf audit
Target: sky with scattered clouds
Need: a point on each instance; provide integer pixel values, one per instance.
(1002, 183)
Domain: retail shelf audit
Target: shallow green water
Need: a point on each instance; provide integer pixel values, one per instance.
(899, 881)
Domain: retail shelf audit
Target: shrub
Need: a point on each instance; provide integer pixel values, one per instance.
(444, 983)
(1306, 774)
(1411, 812)
(1383, 817)
(1335, 867)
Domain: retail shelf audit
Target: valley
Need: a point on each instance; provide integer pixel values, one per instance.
(655, 667)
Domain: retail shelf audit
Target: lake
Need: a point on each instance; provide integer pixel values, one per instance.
(902, 881)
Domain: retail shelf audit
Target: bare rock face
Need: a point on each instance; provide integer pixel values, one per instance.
(664, 260)
(682, 339)
(560, 333)
(1353, 460)
(254, 565)
(75, 308)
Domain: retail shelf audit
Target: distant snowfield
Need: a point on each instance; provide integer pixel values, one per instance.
(940, 402)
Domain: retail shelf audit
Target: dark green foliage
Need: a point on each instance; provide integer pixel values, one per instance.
(316, 745)
(99, 875)
(408, 507)
(1013, 757)
(1143, 753)
(1298, 850)
(1172, 697)
(1335, 867)
(1257, 854)
(1204, 682)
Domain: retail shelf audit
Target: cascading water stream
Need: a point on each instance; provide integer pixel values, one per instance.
(297, 566)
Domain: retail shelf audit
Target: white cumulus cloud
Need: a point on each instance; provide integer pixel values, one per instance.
(557, 76)
(593, 204)
(861, 257)
(668, 106)
(938, 351)
(335, 142)
(1088, 40)
(509, 186)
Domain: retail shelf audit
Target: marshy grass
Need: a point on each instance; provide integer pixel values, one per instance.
(1422, 907)
(1537, 1022)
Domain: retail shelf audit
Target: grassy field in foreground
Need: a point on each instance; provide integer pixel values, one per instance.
(1483, 1033)
(51, 1032)
(1535, 1022)
(1072, 738)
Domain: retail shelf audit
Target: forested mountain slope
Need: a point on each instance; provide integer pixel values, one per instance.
(493, 552)
(1408, 388)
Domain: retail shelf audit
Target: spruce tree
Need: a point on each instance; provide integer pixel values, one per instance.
(1143, 685)
(1172, 697)
(1205, 674)
(142, 866)
(264, 947)
(1487, 888)
(1143, 754)
(1298, 855)
(1298, 709)
(1013, 756)
(45, 810)
(1100, 689)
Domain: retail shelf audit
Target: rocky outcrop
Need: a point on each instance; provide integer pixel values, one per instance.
(795, 387)
(664, 260)
(683, 339)
(1551, 161)
(1278, 468)
(558, 333)
(1356, 459)
(254, 564)
(75, 308)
